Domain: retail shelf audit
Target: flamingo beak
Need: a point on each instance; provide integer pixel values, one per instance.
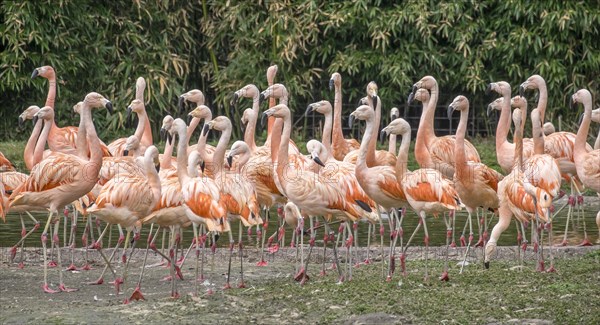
(109, 107)
(229, 161)
(125, 152)
(263, 119)
(382, 135)
(317, 160)
(488, 89)
(35, 73)
(450, 111)
(411, 97)
(35, 119)
(308, 109)
(202, 166)
(350, 120)
(234, 100)
(261, 98)
(128, 118)
(20, 122)
(180, 104)
(522, 90)
(205, 129)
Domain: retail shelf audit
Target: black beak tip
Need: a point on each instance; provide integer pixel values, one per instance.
(263, 119)
(35, 119)
(309, 109)
(382, 136)
(234, 100)
(35, 73)
(450, 111)
(395, 116)
(202, 165)
(331, 84)
(169, 138)
(205, 129)
(125, 153)
(318, 161)
(229, 161)
(180, 104)
(109, 107)
(157, 166)
(488, 90)
(163, 133)
(20, 122)
(261, 98)
(489, 110)
(521, 91)
(411, 98)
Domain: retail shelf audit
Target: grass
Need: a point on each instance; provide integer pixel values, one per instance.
(478, 296)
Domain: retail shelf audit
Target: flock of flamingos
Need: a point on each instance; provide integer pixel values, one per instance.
(128, 183)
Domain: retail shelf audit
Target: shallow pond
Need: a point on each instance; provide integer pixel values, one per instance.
(10, 232)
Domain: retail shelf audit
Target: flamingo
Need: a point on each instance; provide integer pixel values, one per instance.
(236, 192)
(427, 191)
(309, 191)
(475, 183)
(505, 150)
(65, 138)
(587, 163)
(374, 157)
(517, 193)
(432, 151)
(560, 146)
(342, 173)
(394, 114)
(5, 164)
(61, 179)
(200, 194)
(137, 106)
(340, 146)
(379, 182)
(324, 107)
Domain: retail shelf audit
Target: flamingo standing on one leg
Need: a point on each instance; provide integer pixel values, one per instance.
(65, 178)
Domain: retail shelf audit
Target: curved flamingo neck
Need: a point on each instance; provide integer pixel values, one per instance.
(429, 117)
(88, 130)
(140, 130)
(282, 156)
(421, 142)
(219, 155)
(361, 162)
(326, 138)
(153, 180)
(28, 153)
(277, 125)
(371, 159)
(182, 156)
(191, 128)
(518, 140)
(543, 98)
(250, 131)
(402, 160)
(166, 161)
(271, 120)
(392, 144)
(40, 146)
(537, 134)
(503, 124)
(584, 128)
(337, 136)
(459, 145)
(50, 99)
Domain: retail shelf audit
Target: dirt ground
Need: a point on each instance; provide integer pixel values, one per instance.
(23, 301)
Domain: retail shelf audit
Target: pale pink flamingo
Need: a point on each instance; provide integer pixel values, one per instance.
(65, 179)
(587, 162)
(560, 146)
(475, 183)
(339, 146)
(427, 191)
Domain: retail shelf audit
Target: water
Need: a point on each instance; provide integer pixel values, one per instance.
(11, 230)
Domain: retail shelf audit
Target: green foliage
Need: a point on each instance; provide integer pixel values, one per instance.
(219, 46)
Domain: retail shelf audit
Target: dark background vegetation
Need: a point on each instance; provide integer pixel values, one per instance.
(219, 46)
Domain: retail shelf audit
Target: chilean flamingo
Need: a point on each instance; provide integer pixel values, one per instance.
(237, 193)
(587, 163)
(517, 192)
(339, 146)
(200, 194)
(126, 200)
(475, 183)
(394, 114)
(432, 151)
(427, 191)
(60, 139)
(312, 194)
(66, 178)
(379, 182)
(137, 106)
(560, 146)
